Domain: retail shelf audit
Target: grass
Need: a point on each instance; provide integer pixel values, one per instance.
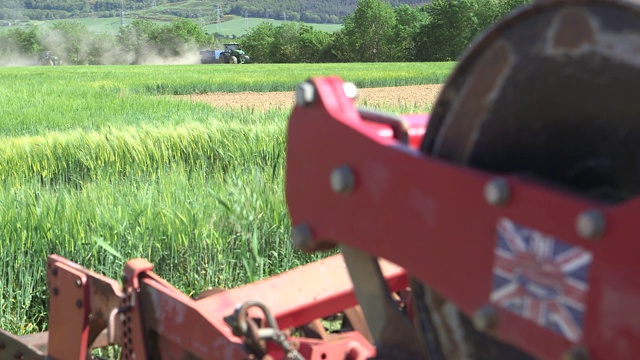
(238, 26)
(99, 165)
(206, 222)
(98, 96)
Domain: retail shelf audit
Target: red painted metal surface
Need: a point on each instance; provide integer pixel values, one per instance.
(348, 346)
(432, 218)
(294, 298)
(417, 126)
(135, 342)
(155, 319)
(311, 292)
(80, 301)
(68, 321)
(181, 327)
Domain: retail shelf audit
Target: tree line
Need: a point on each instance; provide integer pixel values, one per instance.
(375, 32)
(64, 9)
(378, 32)
(313, 11)
(308, 11)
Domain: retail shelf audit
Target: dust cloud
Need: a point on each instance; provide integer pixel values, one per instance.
(97, 49)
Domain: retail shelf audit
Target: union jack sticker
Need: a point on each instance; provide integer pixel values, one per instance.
(541, 278)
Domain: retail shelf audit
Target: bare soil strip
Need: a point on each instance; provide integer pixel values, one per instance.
(370, 97)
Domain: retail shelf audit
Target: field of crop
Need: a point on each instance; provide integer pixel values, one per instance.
(102, 164)
(237, 26)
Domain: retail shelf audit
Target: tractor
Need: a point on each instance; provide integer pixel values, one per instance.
(47, 59)
(233, 54)
(209, 56)
(502, 225)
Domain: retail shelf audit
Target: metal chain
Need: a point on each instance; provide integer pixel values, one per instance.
(243, 326)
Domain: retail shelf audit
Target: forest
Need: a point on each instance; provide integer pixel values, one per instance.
(312, 11)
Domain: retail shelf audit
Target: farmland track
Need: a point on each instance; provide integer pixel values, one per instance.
(375, 97)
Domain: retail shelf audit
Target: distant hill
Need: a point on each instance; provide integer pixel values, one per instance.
(233, 26)
(207, 12)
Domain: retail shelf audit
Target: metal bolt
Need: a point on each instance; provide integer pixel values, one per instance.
(301, 237)
(497, 192)
(79, 304)
(576, 353)
(486, 318)
(590, 224)
(342, 180)
(305, 94)
(55, 291)
(350, 90)
(78, 283)
(54, 271)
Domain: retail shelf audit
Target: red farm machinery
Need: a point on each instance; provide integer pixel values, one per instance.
(499, 226)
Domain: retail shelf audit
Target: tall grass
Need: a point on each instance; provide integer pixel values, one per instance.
(41, 99)
(79, 156)
(204, 203)
(106, 172)
(188, 79)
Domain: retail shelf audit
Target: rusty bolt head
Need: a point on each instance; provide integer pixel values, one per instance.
(342, 180)
(485, 319)
(301, 237)
(54, 271)
(350, 90)
(591, 224)
(576, 353)
(55, 291)
(79, 304)
(305, 94)
(497, 192)
(78, 283)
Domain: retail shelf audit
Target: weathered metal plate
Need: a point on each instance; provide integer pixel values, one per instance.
(551, 91)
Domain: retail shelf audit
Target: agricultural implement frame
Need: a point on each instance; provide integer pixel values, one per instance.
(529, 265)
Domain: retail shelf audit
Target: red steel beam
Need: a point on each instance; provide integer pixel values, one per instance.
(433, 219)
(306, 293)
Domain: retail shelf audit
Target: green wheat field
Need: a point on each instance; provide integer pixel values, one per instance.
(101, 164)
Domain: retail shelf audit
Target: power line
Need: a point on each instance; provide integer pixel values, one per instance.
(121, 12)
(200, 19)
(16, 12)
(218, 17)
(284, 10)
